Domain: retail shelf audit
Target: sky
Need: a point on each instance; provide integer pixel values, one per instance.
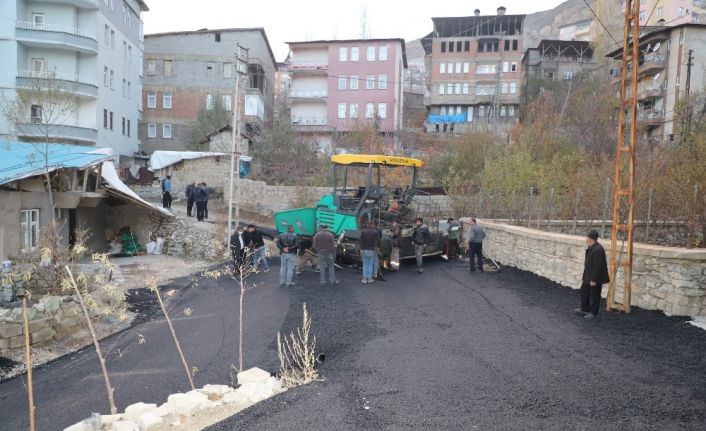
(297, 20)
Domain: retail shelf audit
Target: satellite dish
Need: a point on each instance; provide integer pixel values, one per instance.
(647, 49)
(656, 77)
(656, 47)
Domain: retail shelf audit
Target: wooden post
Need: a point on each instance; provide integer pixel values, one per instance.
(28, 363)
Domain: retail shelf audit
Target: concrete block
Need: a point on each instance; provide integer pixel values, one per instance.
(107, 420)
(149, 422)
(215, 390)
(162, 410)
(188, 404)
(275, 385)
(133, 411)
(9, 330)
(253, 375)
(124, 426)
(236, 396)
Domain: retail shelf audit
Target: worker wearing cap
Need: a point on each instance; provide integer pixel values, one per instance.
(595, 275)
(325, 246)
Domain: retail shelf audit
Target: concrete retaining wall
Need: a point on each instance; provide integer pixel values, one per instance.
(664, 278)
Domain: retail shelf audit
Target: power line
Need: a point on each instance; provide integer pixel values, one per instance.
(600, 21)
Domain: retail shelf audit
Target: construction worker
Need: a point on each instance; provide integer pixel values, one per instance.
(325, 246)
(420, 238)
(454, 232)
(369, 243)
(595, 275)
(475, 245)
(306, 255)
(288, 243)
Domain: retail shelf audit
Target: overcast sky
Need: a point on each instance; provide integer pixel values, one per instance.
(295, 20)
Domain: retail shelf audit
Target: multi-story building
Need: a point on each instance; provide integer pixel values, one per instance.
(339, 86)
(92, 48)
(554, 60)
(283, 82)
(189, 71)
(662, 77)
(670, 12)
(473, 71)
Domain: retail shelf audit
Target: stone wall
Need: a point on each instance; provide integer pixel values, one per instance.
(669, 279)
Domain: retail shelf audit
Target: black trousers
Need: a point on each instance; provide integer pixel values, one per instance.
(189, 206)
(167, 200)
(200, 207)
(452, 248)
(590, 298)
(476, 250)
(205, 209)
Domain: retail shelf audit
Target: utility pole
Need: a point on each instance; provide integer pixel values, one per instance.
(625, 156)
(495, 98)
(687, 106)
(235, 148)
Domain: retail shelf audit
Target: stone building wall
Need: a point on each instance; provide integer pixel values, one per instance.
(664, 278)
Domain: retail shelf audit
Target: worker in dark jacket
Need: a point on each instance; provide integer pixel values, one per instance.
(396, 236)
(201, 197)
(190, 198)
(256, 247)
(420, 238)
(475, 245)
(237, 247)
(369, 243)
(287, 243)
(325, 246)
(595, 275)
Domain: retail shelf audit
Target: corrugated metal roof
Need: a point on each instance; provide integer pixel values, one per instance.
(22, 160)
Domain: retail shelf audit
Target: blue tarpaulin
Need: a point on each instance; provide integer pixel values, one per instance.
(440, 119)
(22, 160)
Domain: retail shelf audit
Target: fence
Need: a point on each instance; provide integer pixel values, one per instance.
(589, 207)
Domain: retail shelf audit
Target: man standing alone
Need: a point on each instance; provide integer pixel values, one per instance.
(475, 245)
(167, 192)
(595, 275)
(325, 246)
(420, 237)
(369, 243)
(288, 243)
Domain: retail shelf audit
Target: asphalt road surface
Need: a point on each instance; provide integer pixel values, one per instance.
(445, 349)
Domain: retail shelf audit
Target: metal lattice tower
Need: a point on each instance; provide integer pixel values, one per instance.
(625, 154)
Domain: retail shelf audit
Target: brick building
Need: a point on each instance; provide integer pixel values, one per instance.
(339, 85)
(473, 72)
(185, 72)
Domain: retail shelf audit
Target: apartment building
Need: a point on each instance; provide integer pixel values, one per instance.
(662, 77)
(339, 86)
(189, 71)
(671, 12)
(554, 60)
(92, 48)
(283, 82)
(473, 72)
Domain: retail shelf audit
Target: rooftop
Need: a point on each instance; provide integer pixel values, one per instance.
(652, 31)
(349, 41)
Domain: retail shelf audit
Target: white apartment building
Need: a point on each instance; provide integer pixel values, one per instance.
(92, 48)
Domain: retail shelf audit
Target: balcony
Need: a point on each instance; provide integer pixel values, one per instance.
(651, 117)
(313, 68)
(56, 36)
(82, 4)
(308, 95)
(80, 85)
(310, 123)
(649, 92)
(36, 131)
(652, 62)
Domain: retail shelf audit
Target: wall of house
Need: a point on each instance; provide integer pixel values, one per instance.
(11, 203)
(664, 278)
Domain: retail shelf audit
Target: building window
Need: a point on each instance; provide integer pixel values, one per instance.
(151, 99)
(151, 130)
(568, 74)
(29, 222)
(112, 39)
(341, 110)
(506, 66)
(513, 66)
(106, 35)
(451, 47)
(151, 67)
(227, 70)
(227, 102)
(442, 68)
(458, 87)
(105, 118)
(382, 54)
(458, 67)
(209, 68)
(511, 111)
(217, 37)
(355, 53)
(513, 88)
(106, 76)
(112, 79)
(168, 67)
(449, 88)
(503, 88)
(465, 88)
(369, 110)
(167, 131)
(467, 46)
(458, 46)
(129, 89)
(129, 55)
(470, 114)
(382, 110)
(343, 54)
(507, 45)
(371, 53)
(514, 45)
(124, 87)
(36, 113)
(450, 68)
(167, 100)
(484, 69)
(643, 15)
(442, 87)
(38, 20)
(681, 12)
(110, 120)
(353, 110)
(128, 128)
(481, 111)
(354, 82)
(660, 11)
(370, 82)
(442, 110)
(503, 111)
(466, 67)
(209, 101)
(123, 125)
(342, 82)
(443, 46)
(382, 82)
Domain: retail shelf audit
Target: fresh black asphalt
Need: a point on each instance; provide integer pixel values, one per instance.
(445, 349)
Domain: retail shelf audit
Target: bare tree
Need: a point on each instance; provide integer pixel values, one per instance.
(38, 111)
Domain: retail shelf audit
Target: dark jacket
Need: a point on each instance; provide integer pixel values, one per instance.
(420, 235)
(201, 194)
(305, 244)
(288, 240)
(595, 267)
(324, 241)
(235, 247)
(190, 191)
(254, 239)
(369, 239)
(396, 235)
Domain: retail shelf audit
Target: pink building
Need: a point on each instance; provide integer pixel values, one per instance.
(671, 12)
(339, 86)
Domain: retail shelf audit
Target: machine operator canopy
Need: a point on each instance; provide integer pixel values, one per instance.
(354, 159)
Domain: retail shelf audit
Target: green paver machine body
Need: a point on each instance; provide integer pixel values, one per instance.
(347, 209)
